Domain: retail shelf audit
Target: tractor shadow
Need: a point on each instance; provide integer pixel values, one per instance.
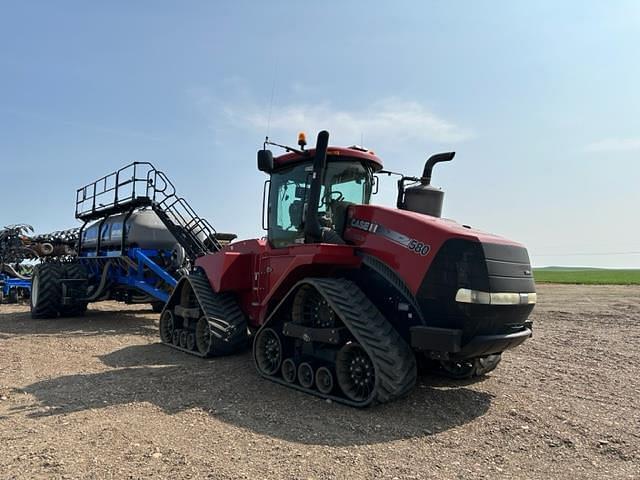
(230, 390)
(94, 322)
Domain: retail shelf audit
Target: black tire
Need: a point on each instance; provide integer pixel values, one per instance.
(488, 364)
(469, 368)
(76, 290)
(46, 290)
(157, 306)
(13, 296)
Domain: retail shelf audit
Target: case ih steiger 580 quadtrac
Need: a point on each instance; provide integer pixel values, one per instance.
(137, 239)
(343, 296)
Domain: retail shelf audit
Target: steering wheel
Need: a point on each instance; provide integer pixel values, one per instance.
(328, 197)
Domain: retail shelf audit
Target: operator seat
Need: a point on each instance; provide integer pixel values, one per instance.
(340, 210)
(296, 211)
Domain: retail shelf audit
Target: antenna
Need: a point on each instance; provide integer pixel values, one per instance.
(273, 91)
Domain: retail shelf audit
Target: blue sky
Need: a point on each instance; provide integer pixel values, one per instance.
(539, 99)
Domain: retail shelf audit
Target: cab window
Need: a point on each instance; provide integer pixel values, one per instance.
(345, 183)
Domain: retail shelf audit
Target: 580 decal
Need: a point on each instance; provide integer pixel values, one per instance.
(418, 247)
(412, 244)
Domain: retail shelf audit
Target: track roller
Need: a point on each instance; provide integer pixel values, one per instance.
(305, 375)
(289, 370)
(324, 380)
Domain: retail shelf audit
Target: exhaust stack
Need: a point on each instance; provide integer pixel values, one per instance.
(423, 197)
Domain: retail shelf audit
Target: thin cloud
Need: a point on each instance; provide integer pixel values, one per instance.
(104, 130)
(394, 120)
(614, 145)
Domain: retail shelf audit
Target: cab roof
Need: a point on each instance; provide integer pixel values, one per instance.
(338, 154)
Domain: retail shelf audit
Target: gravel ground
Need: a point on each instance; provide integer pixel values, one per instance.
(98, 397)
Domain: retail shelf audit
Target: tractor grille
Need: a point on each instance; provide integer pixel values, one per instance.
(476, 266)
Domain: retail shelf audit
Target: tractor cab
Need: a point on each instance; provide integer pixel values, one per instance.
(310, 191)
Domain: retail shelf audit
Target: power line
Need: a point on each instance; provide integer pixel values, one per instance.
(584, 254)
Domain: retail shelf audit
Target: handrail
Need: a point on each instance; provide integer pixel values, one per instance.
(140, 185)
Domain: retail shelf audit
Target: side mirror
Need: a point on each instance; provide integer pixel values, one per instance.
(265, 161)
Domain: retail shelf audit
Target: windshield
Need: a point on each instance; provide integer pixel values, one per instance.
(345, 183)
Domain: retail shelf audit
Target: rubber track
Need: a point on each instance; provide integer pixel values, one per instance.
(392, 277)
(393, 359)
(227, 322)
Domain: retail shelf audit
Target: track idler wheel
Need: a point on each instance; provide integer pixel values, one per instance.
(268, 351)
(355, 372)
(167, 326)
(289, 370)
(175, 337)
(324, 380)
(305, 375)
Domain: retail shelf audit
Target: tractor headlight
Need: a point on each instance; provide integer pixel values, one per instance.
(465, 295)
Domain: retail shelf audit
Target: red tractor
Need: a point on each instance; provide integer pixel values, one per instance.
(343, 297)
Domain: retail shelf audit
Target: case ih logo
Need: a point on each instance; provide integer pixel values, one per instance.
(396, 237)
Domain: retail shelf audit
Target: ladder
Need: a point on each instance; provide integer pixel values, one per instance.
(140, 185)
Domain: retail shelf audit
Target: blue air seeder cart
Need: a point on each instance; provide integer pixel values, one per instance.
(137, 239)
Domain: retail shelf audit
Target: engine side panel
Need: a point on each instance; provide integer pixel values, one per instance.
(261, 275)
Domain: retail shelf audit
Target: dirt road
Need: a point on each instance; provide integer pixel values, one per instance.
(98, 397)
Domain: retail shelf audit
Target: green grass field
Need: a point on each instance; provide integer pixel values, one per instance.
(587, 276)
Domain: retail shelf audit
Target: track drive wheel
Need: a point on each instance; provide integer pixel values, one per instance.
(356, 373)
(46, 290)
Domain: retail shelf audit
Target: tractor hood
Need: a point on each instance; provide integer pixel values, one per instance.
(461, 278)
(410, 242)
